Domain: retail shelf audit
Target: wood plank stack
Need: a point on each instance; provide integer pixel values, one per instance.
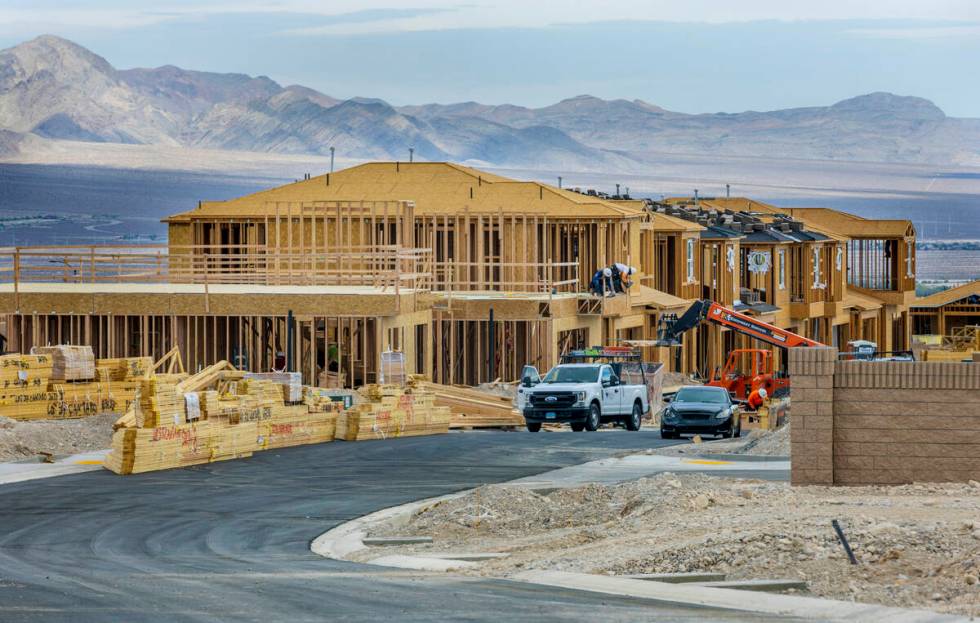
(24, 391)
(239, 416)
(123, 368)
(472, 408)
(393, 411)
(70, 363)
(291, 382)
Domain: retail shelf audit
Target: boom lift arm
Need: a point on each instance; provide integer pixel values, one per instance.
(671, 327)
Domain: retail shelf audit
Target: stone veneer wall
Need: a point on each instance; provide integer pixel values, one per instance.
(861, 422)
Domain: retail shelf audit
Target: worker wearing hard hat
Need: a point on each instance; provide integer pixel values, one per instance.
(601, 283)
(757, 398)
(621, 276)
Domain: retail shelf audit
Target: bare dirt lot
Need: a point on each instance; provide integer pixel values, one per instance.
(917, 545)
(22, 440)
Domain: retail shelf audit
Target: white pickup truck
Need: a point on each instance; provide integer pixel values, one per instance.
(582, 394)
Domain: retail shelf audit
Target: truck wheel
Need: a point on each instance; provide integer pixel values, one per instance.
(533, 427)
(578, 427)
(595, 418)
(636, 417)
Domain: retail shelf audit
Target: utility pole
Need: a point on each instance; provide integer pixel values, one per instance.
(728, 191)
(331, 159)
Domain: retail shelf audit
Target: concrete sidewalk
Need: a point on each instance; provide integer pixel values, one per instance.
(33, 469)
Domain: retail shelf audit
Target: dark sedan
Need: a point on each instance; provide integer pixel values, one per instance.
(701, 410)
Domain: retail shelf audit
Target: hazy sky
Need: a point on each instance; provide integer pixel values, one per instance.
(693, 55)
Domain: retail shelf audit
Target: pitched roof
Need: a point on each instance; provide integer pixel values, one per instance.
(850, 225)
(437, 188)
(948, 296)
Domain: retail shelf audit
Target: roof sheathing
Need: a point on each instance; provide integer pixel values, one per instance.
(946, 297)
(435, 188)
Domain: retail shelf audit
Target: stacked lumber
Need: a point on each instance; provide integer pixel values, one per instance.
(136, 450)
(24, 391)
(393, 411)
(70, 363)
(472, 408)
(291, 382)
(160, 404)
(236, 416)
(123, 368)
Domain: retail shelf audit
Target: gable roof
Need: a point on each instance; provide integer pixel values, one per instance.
(948, 296)
(436, 188)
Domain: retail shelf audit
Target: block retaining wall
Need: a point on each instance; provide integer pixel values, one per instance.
(861, 422)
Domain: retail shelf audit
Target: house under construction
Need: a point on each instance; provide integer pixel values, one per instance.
(470, 274)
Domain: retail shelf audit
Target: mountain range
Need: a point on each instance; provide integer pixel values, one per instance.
(53, 89)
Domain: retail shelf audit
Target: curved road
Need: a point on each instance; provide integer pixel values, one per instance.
(230, 541)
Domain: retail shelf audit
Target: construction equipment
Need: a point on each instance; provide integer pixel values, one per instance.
(746, 369)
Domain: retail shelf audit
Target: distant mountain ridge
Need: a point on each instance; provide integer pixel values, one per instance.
(55, 89)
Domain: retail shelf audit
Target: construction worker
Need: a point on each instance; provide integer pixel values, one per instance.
(757, 398)
(621, 276)
(601, 283)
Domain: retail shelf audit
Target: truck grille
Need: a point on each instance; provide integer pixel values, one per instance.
(561, 400)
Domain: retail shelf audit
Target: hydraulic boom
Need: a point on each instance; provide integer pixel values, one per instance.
(671, 327)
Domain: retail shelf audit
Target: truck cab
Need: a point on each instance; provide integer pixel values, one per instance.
(584, 395)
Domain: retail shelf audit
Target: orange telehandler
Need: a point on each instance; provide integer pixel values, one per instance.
(746, 369)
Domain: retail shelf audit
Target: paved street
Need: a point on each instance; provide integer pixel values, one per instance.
(231, 540)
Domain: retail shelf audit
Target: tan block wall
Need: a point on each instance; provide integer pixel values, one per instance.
(883, 422)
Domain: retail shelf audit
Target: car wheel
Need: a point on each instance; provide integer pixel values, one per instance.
(578, 427)
(738, 431)
(665, 435)
(636, 418)
(533, 427)
(731, 431)
(595, 418)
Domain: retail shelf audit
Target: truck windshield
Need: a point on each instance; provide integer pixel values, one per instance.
(701, 394)
(572, 375)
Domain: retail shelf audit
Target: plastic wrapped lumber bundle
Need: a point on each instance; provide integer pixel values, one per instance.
(70, 363)
(291, 382)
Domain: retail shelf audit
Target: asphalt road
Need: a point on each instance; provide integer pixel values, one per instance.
(230, 541)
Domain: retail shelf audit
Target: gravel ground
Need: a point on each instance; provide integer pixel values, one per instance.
(755, 442)
(917, 545)
(21, 440)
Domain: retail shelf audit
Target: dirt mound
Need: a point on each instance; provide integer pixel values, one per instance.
(20, 440)
(917, 545)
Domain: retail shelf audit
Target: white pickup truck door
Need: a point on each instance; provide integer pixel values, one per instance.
(612, 397)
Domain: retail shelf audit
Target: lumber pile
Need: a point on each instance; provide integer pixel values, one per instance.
(30, 389)
(472, 408)
(291, 382)
(218, 414)
(70, 363)
(393, 411)
(24, 392)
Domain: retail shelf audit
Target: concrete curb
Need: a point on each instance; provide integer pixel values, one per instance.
(748, 601)
(347, 538)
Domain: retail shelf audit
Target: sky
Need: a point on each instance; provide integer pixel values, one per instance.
(690, 56)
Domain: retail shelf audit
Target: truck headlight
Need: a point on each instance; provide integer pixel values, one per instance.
(580, 396)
